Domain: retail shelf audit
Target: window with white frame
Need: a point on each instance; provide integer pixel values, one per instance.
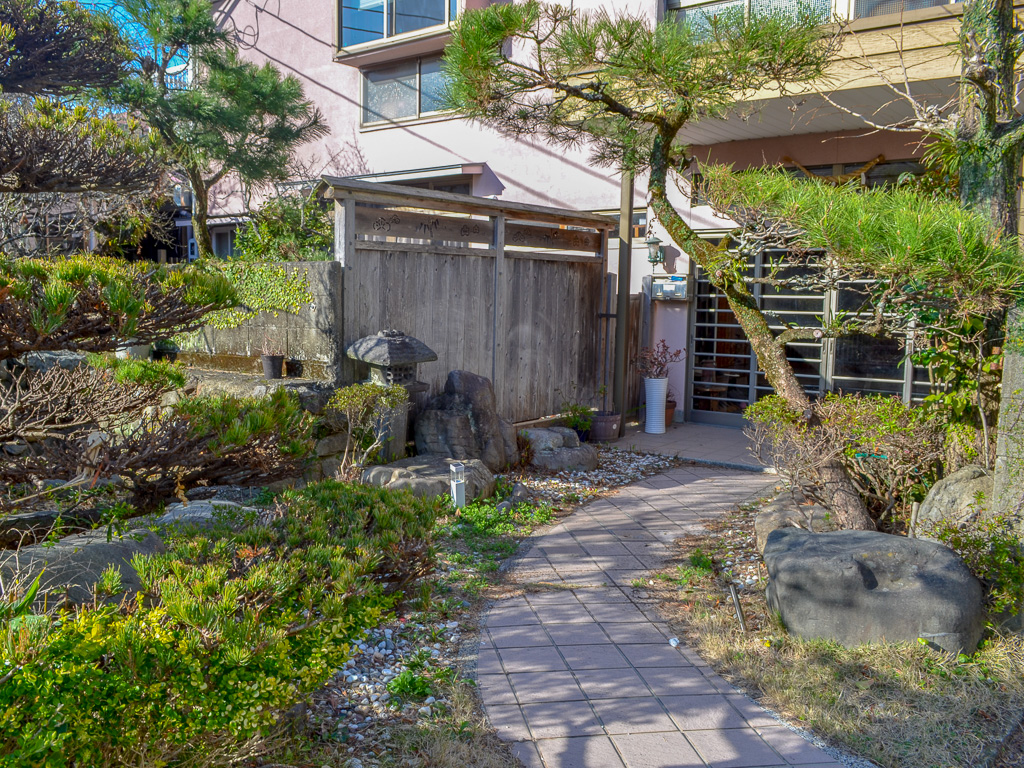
(698, 11)
(404, 91)
(363, 21)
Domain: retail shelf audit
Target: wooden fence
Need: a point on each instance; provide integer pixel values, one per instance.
(505, 290)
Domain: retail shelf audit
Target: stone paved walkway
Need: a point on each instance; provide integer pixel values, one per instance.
(579, 674)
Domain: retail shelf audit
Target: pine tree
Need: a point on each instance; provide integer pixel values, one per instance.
(233, 116)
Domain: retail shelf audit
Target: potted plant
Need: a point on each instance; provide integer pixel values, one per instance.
(273, 359)
(577, 416)
(653, 363)
(670, 406)
(604, 424)
(165, 349)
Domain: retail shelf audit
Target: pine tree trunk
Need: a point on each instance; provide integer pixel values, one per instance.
(843, 499)
(200, 215)
(990, 163)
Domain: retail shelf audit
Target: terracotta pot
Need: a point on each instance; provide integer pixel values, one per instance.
(670, 411)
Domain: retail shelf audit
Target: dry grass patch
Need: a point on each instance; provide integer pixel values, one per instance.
(899, 705)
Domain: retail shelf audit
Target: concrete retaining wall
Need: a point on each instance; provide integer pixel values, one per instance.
(309, 340)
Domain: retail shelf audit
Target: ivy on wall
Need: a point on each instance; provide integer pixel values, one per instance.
(262, 288)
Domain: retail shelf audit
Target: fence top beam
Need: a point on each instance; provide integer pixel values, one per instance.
(393, 194)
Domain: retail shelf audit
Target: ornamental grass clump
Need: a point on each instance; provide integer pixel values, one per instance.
(235, 624)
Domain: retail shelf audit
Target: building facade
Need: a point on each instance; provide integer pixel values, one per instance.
(373, 69)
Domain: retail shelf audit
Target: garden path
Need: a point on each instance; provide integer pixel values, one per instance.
(579, 672)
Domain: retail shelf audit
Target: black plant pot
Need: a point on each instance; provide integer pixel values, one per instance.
(273, 366)
(582, 434)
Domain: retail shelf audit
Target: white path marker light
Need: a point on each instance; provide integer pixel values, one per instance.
(458, 477)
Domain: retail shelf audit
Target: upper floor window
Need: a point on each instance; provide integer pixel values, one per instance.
(363, 21)
(404, 91)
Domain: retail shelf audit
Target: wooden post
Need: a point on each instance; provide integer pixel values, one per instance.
(344, 253)
(344, 230)
(622, 307)
(498, 329)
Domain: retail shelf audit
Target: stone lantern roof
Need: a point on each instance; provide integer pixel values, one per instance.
(391, 348)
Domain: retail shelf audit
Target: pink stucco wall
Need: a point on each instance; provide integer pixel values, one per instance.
(298, 37)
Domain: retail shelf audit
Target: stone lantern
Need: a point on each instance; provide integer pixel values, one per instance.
(393, 357)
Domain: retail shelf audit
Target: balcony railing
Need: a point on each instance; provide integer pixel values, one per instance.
(847, 10)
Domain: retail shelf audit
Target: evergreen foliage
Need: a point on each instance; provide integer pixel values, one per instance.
(233, 117)
(235, 624)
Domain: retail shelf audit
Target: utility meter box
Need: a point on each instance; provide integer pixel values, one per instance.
(672, 288)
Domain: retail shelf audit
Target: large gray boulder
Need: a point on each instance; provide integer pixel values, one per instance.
(74, 564)
(558, 449)
(463, 423)
(958, 497)
(859, 587)
(429, 477)
(786, 512)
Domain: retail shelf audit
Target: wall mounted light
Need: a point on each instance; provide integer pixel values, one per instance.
(655, 250)
(458, 480)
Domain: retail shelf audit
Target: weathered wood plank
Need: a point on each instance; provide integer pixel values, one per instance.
(453, 250)
(393, 194)
(532, 236)
(390, 222)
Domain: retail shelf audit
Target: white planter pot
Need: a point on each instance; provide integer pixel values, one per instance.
(657, 392)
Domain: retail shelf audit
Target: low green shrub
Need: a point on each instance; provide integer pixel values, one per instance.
(155, 374)
(992, 550)
(893, 452)
(235, 624)
(365, 411)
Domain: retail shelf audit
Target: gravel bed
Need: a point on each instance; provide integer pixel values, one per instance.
(616, 467)
(356, 707)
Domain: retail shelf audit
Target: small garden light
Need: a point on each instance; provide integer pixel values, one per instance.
(458, 478)
(655, 250)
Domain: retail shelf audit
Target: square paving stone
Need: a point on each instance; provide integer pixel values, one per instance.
(792, 746)
(657, 750)
(593, 657)
(526, 753)
(508, 722)
(697, 713)
(551, 597)
(495, 689)
(564, 614)
(676, 681)
(734, 748)
(605, 549)
(514, 617)
(487, 662)
(538, 659)
(640, 715)
(561, 719)
(653, 655)
(611, 683)
(617, 562)
(577, 634)
(616, 613)
(545, 686)
(609, 594)
(518, 637)
(626, 633)
(580, 752)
